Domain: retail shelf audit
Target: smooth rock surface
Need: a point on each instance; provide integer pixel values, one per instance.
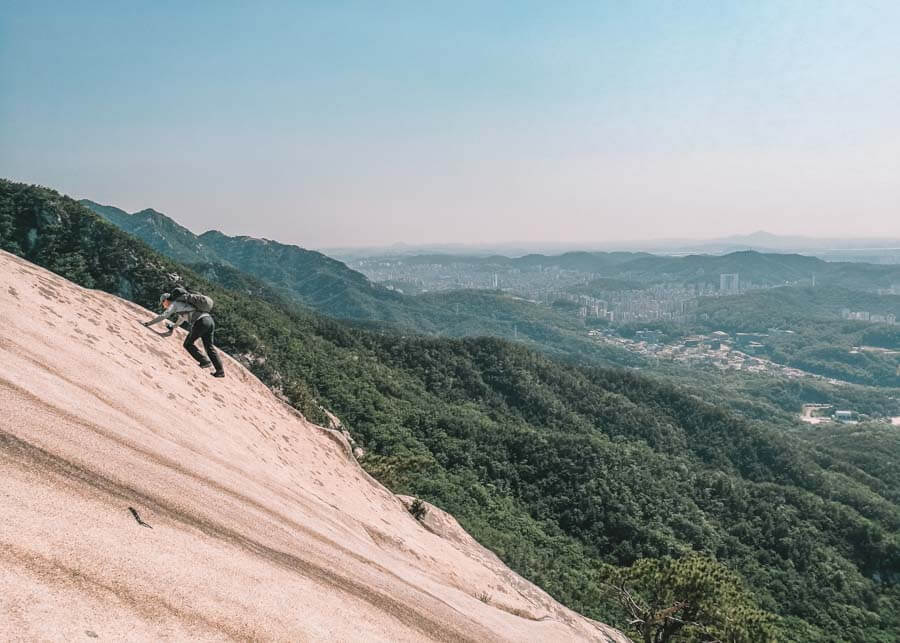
(256, 524)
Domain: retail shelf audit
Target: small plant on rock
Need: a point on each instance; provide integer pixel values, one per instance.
(418, 510)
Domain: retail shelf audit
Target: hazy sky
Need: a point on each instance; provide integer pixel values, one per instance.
(346, 123)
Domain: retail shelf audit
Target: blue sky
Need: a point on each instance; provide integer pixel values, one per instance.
(351, 123)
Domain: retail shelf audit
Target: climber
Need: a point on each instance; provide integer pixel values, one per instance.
(195, 307)
(179, 318)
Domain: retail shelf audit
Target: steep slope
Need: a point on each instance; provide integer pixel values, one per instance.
(158, 231)
(247, 521)
(309, 277)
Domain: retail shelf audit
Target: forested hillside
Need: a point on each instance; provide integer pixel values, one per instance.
(579, 477)
(329, 287)
(786, 307)
(309, 277)
(159, 232)
(817, 343)
(803, 329)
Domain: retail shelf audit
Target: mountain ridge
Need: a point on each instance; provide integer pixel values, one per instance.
(763, 268)
(311, 277)
(237, 489)
(328, 286)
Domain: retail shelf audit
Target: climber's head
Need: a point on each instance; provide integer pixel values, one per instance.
(165, 300)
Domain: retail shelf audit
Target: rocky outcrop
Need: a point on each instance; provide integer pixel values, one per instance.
(143, 498)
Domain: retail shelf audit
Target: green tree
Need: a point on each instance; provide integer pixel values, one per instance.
(693, 598)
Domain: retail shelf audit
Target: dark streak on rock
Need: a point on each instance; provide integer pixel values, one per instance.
(138, 518)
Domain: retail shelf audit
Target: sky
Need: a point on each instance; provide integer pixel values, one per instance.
(335, 124)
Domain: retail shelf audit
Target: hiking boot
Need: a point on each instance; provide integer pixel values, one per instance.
(204, 364)
(218, 374)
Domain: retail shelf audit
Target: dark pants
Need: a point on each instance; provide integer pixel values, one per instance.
(203, 329)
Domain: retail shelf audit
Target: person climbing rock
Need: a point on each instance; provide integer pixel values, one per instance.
(179, 304)
(179, 318)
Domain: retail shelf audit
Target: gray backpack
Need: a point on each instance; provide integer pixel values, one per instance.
(201, 302)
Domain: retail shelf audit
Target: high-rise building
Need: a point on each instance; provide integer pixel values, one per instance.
(729, 282)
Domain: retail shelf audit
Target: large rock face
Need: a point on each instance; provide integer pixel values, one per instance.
(142, 498)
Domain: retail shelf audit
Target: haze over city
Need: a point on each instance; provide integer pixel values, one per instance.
(343, 124)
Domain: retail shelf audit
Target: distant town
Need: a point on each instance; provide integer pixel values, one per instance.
(735, 352)
(589, 294)
(718, 349)
(608, 304)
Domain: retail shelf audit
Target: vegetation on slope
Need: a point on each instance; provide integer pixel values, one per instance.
(309, 277)
(809, 333)
(328, 286)
(573, 475)
(820, 344)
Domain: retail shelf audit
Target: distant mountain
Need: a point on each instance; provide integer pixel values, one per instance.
(578, 261)
(762, 268)
(766, 240)
(330, 287)
(158, 231)
(862, 249)
(309, 277)
(761, 241)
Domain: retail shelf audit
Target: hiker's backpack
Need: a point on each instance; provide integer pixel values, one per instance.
(201, 302)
